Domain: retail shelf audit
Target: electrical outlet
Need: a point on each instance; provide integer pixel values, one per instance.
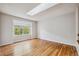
(66, 36)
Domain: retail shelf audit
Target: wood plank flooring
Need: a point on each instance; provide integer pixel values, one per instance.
(37, 47)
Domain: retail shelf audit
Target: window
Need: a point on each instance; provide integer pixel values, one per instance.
(22, 27)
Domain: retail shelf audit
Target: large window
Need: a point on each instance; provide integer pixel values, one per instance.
(22, 27)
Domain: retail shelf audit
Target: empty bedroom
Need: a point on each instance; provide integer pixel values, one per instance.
(39, 29)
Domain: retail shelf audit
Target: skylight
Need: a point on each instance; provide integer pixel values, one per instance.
(41, 7)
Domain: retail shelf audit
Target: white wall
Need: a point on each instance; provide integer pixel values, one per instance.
(0, 30)
(6, 28)
(59, 29)
(77, 27)
(35, 30)
(78, 19)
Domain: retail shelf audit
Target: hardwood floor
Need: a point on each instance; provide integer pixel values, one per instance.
(37, 47)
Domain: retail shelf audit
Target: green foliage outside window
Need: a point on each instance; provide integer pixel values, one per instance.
(26, 30)
(19, 30)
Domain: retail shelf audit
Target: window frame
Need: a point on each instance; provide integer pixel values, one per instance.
(30, 27)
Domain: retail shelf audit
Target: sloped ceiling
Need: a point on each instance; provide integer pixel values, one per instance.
(18, 9)
(21, 10)
(57, 10)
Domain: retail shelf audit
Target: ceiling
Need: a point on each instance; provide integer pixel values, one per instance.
(20, 10)
(56, 10)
